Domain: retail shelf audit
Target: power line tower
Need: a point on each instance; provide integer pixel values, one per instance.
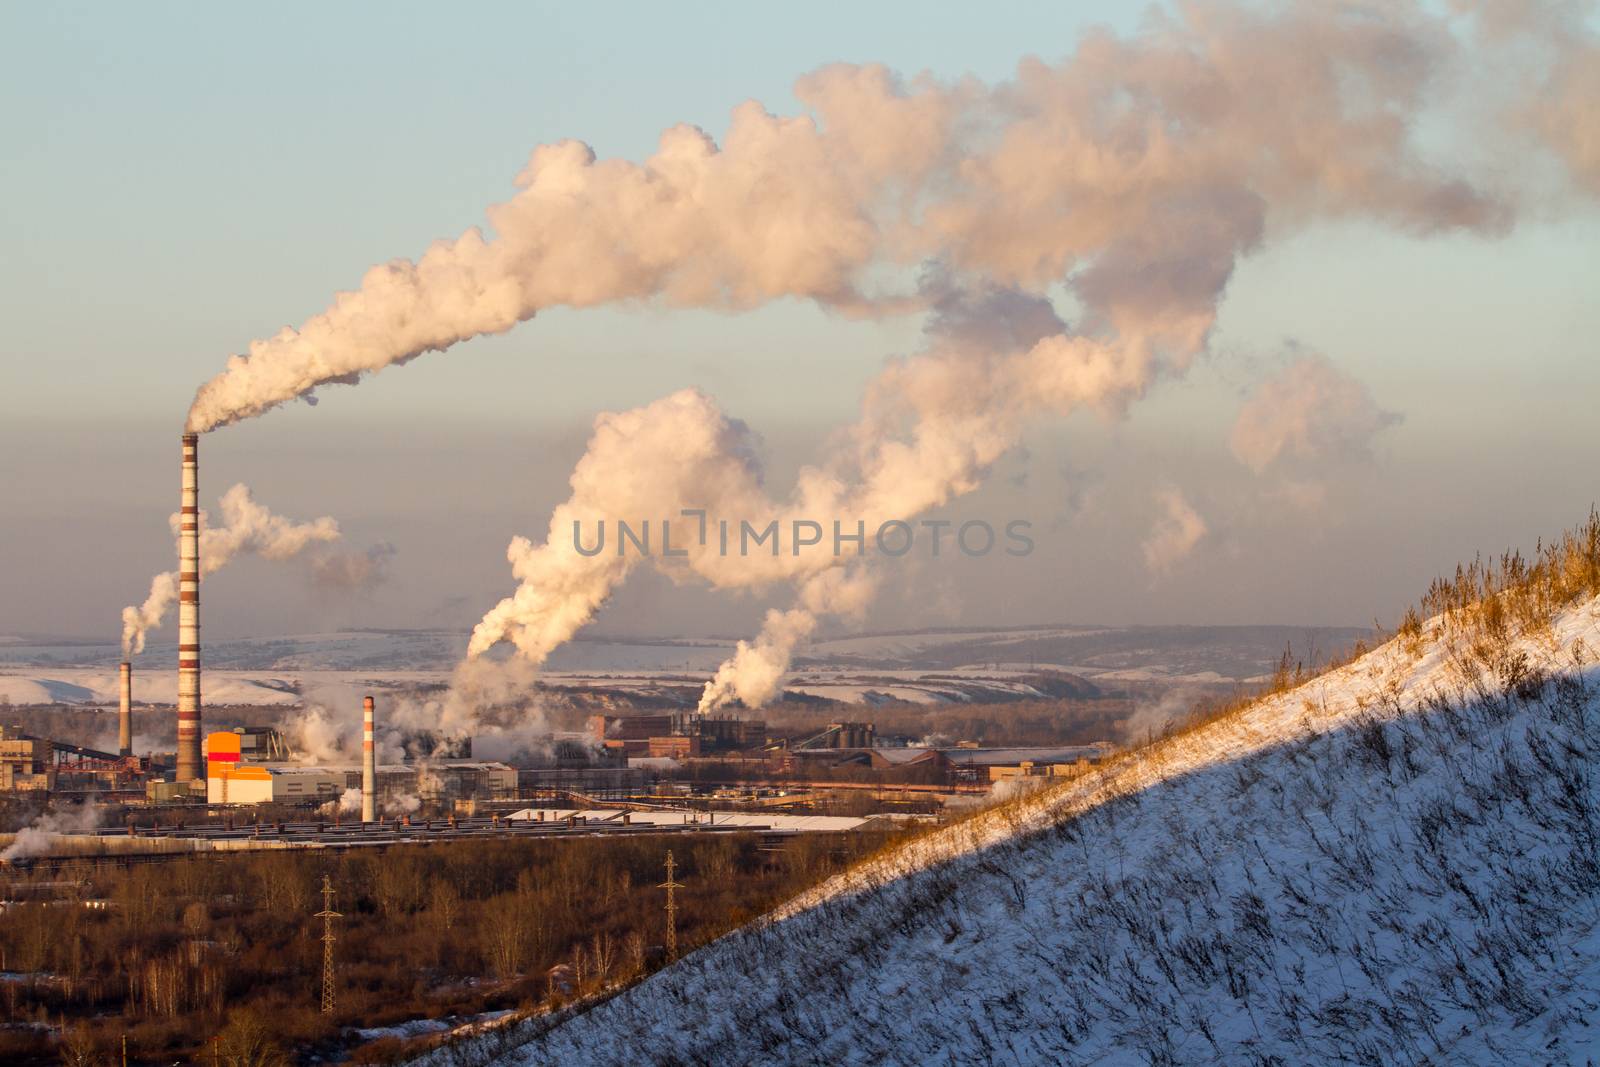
(670, 885)
(327, 915)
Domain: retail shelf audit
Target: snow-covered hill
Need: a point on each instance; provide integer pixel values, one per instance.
(1177, 653)
(1398, 862)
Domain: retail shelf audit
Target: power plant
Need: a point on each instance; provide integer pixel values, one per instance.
(189, 768)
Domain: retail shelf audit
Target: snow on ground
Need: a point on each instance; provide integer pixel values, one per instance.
(78, 685)
(456, 1024)
(1398, 862)
(908, 646)
(1166, 653)
(99, 685)
(926, 667)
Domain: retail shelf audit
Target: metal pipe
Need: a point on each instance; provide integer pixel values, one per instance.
(125, 712)
(189, 768)
(369, 765)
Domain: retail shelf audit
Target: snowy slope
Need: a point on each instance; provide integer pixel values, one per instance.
(1398, 862)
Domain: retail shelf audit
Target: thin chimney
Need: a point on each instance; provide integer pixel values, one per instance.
(125, 712)
(189, 768)
(369, 765)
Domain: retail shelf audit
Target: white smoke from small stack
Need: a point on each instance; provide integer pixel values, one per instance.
(37, 838)
(494, 702)
(247, 528)
(1136, 170)
(754, 673)
(397, 804)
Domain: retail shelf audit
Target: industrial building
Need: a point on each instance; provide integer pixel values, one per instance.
(234, 778)
(449, 780)
(928, 766)
(678, 735)
(254, 783)
(31, 763)
(289, 783)
(591, 781)
(26, 763)
(843, 735)
(997, 764)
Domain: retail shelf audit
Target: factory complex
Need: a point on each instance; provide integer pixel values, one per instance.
(232, 778)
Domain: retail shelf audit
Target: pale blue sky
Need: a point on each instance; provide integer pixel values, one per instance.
(179, 179)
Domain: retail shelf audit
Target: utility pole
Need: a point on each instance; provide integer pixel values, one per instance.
(672, 906)
(327, 915)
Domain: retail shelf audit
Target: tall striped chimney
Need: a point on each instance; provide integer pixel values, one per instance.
(189, 766)
(369, 765)
(125, 712)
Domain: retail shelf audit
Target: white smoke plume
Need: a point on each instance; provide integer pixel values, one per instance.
(247, 528)
(493, 702)
(755, 672)
(1010, 788)
(1176, 532)
(318, 733)
(353, 570)
(1153, 718)
(1136, 170)
(37, 838)
(647, 464)
(396, 804)
(1307, 413)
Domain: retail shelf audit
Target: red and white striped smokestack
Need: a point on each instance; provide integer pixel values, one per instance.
(369, 765)
(125, 712)
(189, 767)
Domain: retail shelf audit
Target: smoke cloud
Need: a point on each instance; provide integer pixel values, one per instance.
(1136, 171)
(1175, 534)
(1307, 413)
(496, 703)
(247, 528)
(1153, 718)
(754, 674)
(37, 838)
(353, 570)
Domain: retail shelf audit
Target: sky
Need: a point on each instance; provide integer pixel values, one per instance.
(178, 180)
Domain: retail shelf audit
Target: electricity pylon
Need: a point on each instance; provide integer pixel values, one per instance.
(327, 915)
(672, 907)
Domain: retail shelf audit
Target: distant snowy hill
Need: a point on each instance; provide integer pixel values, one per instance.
(1398, 862)
(930, 666)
